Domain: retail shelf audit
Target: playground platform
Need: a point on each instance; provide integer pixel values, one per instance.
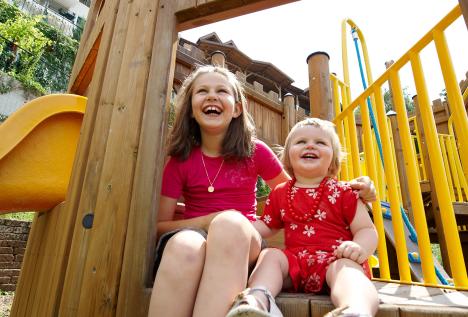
(396, 300)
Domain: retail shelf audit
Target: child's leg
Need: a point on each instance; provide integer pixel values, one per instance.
(232, 244)
(350, 287)
(270, 272)
(176, 283)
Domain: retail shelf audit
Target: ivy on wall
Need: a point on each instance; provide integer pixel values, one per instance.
(40, 56)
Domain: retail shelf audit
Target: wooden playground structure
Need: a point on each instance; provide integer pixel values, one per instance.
(91, 255)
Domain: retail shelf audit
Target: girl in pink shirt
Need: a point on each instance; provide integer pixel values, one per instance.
(215, 160)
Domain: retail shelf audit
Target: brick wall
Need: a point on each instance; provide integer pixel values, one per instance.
(13, 238)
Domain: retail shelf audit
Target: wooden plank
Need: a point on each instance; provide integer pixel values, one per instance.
(460, 208)
(91, 151)
(89, 38)
(293, 305)
(100, 270)
(85, 74)
(190, 16)
(140, 243)
(419, 311)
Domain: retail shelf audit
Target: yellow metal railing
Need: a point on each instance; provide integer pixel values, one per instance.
(346, 127)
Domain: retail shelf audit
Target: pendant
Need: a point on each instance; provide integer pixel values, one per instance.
(210, 189)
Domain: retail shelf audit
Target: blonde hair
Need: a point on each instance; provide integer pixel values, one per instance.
(186, 134)
(326, 126)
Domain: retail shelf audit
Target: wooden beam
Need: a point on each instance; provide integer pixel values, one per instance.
(114, 114)
(193, 14)
(136, 278)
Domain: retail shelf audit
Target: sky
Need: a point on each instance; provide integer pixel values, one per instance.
(286, 35)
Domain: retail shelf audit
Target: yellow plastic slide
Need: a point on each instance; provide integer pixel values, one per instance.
(37, 147)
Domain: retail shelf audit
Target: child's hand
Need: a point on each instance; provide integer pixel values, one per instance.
(351, 250)
(366, 188)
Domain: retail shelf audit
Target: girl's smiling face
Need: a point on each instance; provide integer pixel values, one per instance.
(310, 154)
(213, 103)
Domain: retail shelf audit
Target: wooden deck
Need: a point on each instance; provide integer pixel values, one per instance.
(396, 300)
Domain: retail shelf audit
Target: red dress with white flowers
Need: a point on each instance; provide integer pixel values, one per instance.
(310, 243)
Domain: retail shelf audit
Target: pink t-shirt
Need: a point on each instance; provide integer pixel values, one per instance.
(235, 186)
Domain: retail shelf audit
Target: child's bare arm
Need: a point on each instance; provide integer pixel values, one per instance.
(278, 179)
(166, 212)
(364, 237)
(263, 229)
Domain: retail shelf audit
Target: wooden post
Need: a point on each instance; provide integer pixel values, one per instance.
(320, 93)
(218, 58)
(289, 115)
(435, 203)
(464, 8)
(400, 160)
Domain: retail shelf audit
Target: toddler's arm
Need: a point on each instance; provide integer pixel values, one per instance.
(364, 237)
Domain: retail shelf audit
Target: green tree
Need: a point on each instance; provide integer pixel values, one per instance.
(389, 102)
(29, 43)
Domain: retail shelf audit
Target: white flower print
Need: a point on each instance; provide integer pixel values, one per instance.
(312, 193)
(321, 215)
(335, 194)
(293, 226)
(267, 202)
(308, 231)
(312, 283)
(294, 190)
(267, 219)
(321, 256)
(345, 186)
(302, 254)
(282, 213)
(310, 260)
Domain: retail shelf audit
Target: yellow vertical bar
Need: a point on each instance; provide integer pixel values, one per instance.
(457, 263)
(353, 139)
(453, 168)
(454, 97)
(339, 125)
(376, 207)
(393, 155)
(411, 173)
(463, 180)
(390, 175)
(446, 166)
(349, 160)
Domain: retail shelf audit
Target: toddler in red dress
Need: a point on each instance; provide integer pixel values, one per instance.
(328, 232)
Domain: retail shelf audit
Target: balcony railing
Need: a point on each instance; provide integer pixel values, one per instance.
(63, 21)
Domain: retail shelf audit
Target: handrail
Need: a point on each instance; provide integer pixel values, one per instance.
(374, 91)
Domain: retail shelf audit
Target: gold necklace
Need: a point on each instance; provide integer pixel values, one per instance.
(211, 187)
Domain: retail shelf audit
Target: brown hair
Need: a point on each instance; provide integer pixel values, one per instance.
(237, 143)
(329, 128)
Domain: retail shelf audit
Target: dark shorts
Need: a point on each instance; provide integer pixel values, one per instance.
(168, 235)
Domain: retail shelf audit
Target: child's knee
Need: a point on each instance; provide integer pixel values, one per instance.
(230, 224)
(186, 248)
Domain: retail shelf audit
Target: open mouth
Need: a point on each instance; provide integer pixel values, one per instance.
(309, 156)
(212, 110)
